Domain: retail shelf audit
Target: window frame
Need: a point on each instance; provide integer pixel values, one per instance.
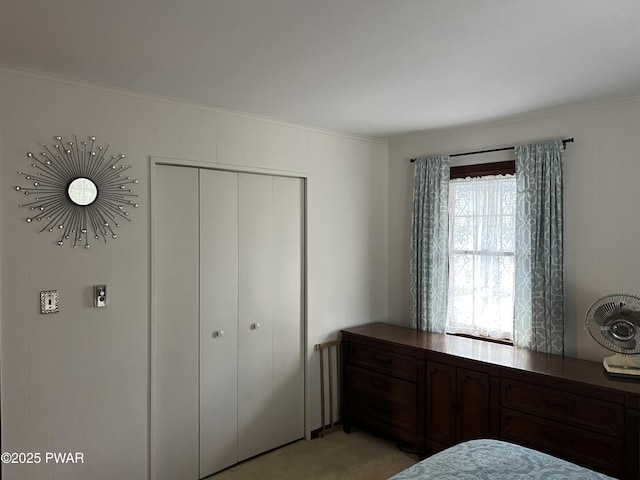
(507, 167)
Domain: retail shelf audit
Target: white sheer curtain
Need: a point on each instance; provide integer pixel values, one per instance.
(481, 252)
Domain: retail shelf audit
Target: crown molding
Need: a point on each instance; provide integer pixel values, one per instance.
(24, 72)
(513, 119)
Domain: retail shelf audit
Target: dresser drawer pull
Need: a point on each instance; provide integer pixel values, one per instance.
(556, 439)
(380, 409)
(558, 406)
(380, 385)
(382, 359)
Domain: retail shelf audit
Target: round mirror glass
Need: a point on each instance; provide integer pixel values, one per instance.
(82, 191)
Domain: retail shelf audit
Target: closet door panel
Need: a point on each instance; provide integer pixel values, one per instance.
(255, 311)
(176, 261)
(229, 310)
(218, 320)
(288, 374)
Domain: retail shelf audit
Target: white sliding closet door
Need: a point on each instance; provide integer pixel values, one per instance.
(228, 318)
(288, 365)
(176, 285)
(218, 320)
(270, 366)
(255, 314)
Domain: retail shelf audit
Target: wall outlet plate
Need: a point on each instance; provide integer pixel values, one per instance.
(49, 301)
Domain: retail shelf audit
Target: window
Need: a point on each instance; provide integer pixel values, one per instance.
(482, 251)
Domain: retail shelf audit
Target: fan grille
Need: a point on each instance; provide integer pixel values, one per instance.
(614, 322)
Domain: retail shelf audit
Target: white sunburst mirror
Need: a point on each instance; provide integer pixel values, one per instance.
(78, 190)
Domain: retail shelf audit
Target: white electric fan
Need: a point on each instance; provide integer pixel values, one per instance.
(614, 322)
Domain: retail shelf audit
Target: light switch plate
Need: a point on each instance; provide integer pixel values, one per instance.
(49, 301)
(100, 296)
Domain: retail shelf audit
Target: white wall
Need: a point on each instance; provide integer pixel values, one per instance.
(602, 225)
(78, 380)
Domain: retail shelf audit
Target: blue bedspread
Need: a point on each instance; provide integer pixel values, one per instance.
(495, 460)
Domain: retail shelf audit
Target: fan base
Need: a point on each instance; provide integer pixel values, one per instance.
(622, 365)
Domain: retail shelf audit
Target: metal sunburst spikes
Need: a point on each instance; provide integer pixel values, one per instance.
(78, 189)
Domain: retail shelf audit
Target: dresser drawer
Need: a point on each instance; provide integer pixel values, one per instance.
(367, 409)
(597, 415)
(399, 393)
(574, 444)
(395, 364)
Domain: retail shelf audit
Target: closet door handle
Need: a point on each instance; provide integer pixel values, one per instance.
(255, 326)
(218, 333)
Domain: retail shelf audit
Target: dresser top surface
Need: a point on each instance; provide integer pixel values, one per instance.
(584, 371)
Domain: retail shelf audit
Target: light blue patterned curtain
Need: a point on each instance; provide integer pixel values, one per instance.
(539, 291)
(430, 244)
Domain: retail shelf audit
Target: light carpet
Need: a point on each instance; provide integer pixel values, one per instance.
(338, 456)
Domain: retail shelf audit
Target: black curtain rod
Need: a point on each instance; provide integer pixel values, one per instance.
(564, 144)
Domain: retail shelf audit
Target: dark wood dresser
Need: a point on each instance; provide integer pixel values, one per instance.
(434, 390)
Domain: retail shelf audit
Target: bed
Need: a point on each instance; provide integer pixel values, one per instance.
(495, 460)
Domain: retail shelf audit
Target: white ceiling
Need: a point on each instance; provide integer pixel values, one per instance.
(371, 67)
